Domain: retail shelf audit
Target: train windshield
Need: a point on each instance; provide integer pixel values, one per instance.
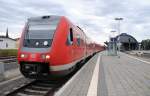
(39, 33)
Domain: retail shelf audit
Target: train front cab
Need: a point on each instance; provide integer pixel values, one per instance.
(36, 46)
(59, 53)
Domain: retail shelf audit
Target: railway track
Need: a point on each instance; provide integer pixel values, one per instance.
(8, 60)
(8, 57)
(38, 88)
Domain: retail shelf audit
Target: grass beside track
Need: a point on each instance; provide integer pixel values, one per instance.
(8, 52)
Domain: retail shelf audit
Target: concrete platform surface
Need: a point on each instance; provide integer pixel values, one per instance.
(9, 70)
(124, 76)
(79, 84)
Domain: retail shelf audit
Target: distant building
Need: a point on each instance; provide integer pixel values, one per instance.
(7, 43)
(127, 42)
(17, 42)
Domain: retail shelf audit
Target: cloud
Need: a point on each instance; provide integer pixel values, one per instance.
(96, 17)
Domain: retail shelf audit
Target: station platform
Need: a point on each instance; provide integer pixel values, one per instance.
(9, 71)
(110, 76)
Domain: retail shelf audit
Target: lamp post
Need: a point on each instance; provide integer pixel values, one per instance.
(113, 33)
(119, 43)
(114, 43)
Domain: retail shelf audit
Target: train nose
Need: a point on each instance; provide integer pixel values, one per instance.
(34, 69)
(33, 56)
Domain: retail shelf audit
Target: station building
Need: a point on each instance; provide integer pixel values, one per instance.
(7, 43)
(127, 42)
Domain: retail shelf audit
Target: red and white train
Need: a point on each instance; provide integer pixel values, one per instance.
(52, 45)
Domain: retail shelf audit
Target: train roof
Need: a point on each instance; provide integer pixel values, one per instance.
(44, 17)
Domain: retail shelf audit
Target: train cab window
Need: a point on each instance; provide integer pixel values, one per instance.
(40, 32)
(70, 37)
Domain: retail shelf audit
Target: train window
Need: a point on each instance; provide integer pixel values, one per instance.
(42, 27)
(41, 31)
(70, 37)
(78, 40)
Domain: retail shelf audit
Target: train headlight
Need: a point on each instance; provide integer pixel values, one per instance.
(45, 56)
(23, 55)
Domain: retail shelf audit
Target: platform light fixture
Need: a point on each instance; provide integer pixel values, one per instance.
(119, 43)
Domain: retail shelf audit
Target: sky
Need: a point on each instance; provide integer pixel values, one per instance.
(95, 17)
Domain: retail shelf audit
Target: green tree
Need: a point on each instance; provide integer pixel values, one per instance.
(145, 44)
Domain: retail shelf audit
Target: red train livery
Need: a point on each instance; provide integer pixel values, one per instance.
(52, 45)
